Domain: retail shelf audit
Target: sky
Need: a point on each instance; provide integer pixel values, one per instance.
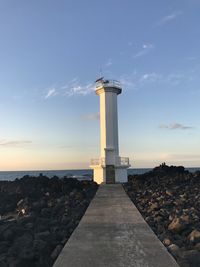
(51, 52)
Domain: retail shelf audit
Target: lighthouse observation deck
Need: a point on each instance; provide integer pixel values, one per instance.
(107, 83)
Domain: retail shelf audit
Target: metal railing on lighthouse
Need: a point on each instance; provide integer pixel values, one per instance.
(119, 161)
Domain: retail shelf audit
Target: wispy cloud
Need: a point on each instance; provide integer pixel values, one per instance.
(146, 48)
(195, 92)
(129, 81)
(174, 78)
(168, 18)
(11, 143)
(71, 88)
(150, 77)
(91, 116)
(137, 80)
(51, 92)
(130, 43)
(175, 126)
(79, 89)
(191, 58)
(108, 63)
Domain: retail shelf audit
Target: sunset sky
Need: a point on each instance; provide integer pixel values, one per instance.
(51, 52)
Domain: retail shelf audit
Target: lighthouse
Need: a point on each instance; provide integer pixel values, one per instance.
(109, 167)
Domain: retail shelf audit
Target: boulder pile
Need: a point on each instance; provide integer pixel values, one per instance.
(37, 216)
(168, 198)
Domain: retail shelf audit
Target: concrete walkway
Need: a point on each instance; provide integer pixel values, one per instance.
(112, 233)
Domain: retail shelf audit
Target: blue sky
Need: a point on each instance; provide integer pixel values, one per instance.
(51, 52)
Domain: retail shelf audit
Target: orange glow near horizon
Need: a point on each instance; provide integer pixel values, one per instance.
(19, 160)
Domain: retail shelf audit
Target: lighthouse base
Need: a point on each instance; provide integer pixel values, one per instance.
(110, 174)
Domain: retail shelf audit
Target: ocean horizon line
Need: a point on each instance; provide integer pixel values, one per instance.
(73, 173)
(86, 169)
(79, 169)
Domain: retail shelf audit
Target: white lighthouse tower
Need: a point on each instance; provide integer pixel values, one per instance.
(110, 167)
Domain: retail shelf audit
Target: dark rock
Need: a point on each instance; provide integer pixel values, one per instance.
(12, 262)
(26, 253)
(43, 235)
(56, 252)
(177, 225)
(4, 245)
(29, 225)
(174, 249)
(194, 236)
(3, 259)
(8, 235)
(48, 212)
(167, 242)
(190, 257)
(45, 212)
(197, 246)
(39, 247)
(153, 206)
(168, 198)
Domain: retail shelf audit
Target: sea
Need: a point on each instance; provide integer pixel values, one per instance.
(86, 174)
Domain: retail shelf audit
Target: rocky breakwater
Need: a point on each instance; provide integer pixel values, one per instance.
(169, 200)
(37, 216)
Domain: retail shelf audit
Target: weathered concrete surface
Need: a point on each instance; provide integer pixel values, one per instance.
(113, 233)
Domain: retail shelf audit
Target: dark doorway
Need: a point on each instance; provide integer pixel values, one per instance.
(110, 174)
